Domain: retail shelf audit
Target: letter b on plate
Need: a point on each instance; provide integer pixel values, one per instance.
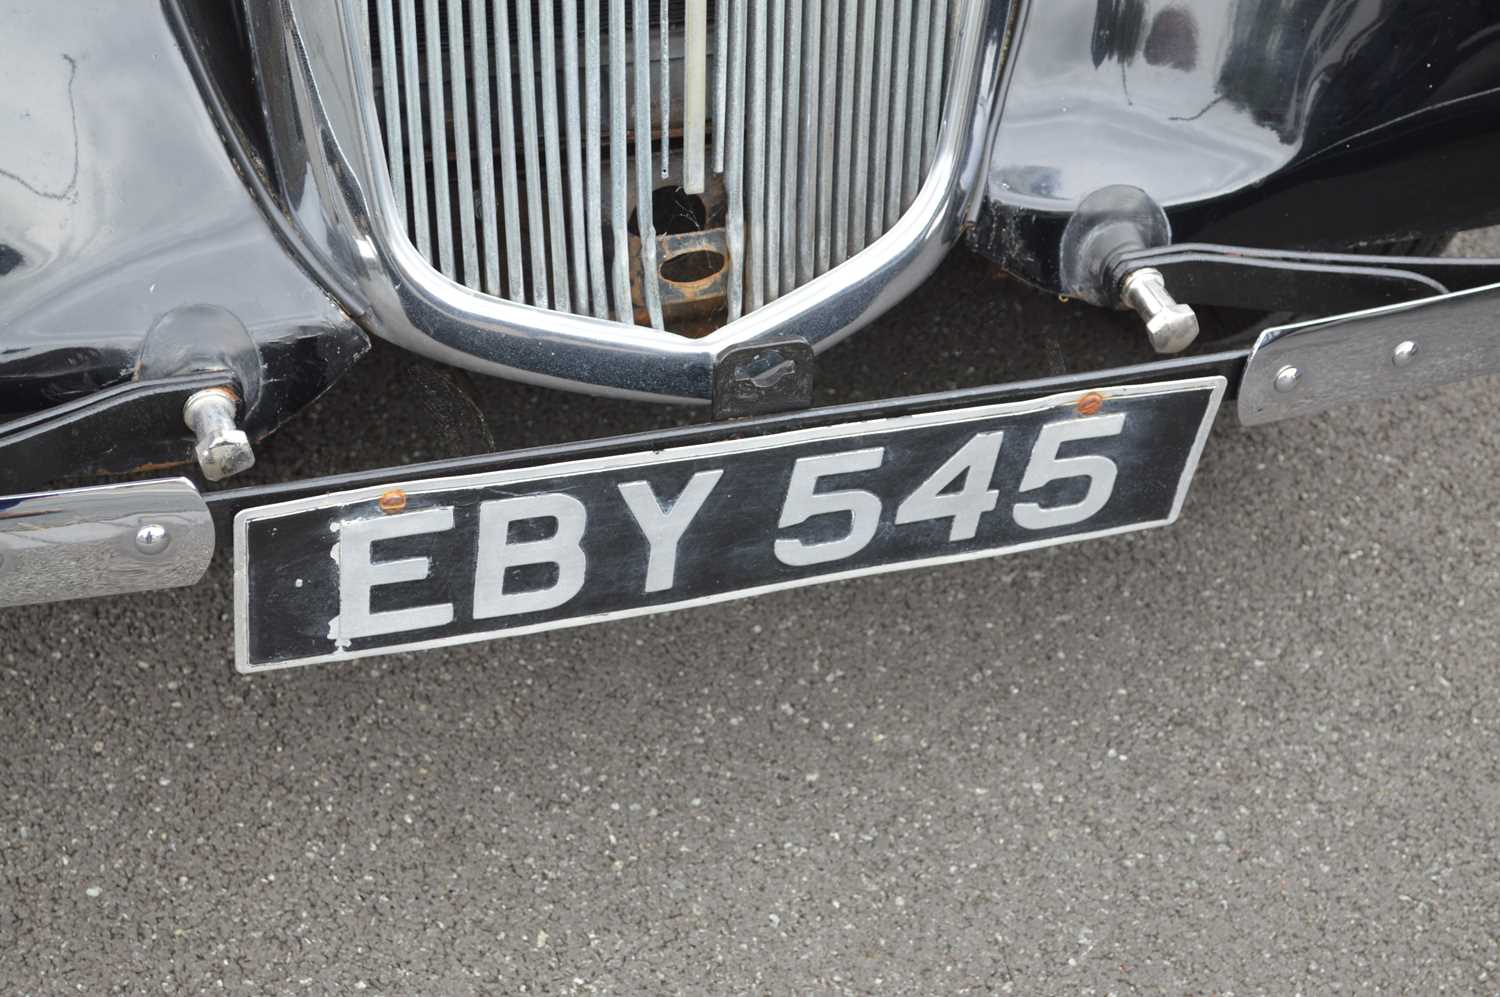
(497, 553)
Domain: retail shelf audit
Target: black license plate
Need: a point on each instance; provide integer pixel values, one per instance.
(450, 560)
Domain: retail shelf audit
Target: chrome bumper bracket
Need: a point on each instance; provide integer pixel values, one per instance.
(103, 540)
(1310, 367)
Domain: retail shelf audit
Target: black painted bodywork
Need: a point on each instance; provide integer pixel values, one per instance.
(1316, 124)
(131, 247)
(140, 238)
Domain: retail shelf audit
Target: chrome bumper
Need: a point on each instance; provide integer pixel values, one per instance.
(161, 534)
(105, 540)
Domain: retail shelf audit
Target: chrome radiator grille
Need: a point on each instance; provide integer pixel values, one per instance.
(672, 163)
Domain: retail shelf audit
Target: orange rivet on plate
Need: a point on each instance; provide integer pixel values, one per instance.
(1090, 403)
(393, 501)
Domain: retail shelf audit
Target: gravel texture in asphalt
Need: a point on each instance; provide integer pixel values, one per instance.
(1258, 752)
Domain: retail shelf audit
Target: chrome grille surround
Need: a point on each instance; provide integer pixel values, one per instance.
(334, 173)
(425, 126)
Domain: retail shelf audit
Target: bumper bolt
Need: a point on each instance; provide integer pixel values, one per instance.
(222, 449)
(1287, 378)
(1171, 326)
(1404, 353)
(152, 539)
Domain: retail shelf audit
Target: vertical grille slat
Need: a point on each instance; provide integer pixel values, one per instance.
(437, 118)
(772, 139)
(619, 158)
(416, 141)
(791, 172)
(844, 128)
(809, 210)
(593, 148)
(862, 124)
(664, 87)
(915, 143)
(395, 152)
(694, 96)
(755, 253)
(828, 137)
(734, 223)
(885, 67)
(463, 151)
(775, 107)
(893, 183)
(571, 121)
(530, 138)
(935, 66)
(363, 14)
(643, 220)
(489, 208)
(721, 83)
(510, 182)
(552, 146)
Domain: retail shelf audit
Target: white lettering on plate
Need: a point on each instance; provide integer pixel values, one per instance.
(803, 501)
(358, 574)
(663, 527)
(497, 553)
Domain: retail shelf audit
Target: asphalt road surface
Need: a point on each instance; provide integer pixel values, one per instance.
(1258, 752)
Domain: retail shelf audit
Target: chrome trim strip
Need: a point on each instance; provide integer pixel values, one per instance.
(349, 216)
(105, 540)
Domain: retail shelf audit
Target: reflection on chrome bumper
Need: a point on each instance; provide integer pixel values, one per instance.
(103, 541)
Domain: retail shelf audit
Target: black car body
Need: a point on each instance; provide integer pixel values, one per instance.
(207, 210)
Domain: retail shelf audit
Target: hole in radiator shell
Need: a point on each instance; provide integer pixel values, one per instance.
(673, 212)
